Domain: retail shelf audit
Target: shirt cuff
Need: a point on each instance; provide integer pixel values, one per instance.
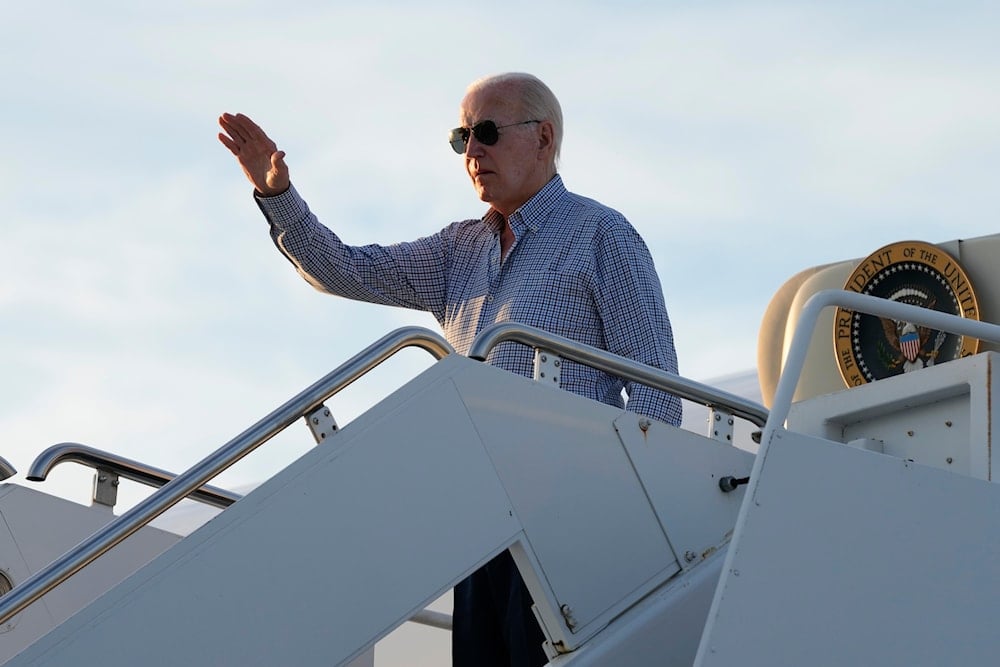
(283, 210)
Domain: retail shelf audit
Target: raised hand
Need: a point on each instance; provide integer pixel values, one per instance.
(262, 162)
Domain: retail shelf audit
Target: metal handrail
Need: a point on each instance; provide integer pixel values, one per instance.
(6, 469)
(186, 483)
(435, 619)
(73, 452)
(795, 361)
(620, 366)
(136, 471)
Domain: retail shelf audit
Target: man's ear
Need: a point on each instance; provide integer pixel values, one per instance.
(546, 137)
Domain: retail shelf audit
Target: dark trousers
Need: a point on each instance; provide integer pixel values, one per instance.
(493, 622)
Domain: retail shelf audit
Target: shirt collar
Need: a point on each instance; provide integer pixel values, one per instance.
(533, 212)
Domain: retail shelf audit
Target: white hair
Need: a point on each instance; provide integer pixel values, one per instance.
(537, 100)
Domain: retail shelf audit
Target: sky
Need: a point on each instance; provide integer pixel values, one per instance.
(144, 310)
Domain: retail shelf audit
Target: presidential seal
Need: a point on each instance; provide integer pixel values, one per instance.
(869, 347)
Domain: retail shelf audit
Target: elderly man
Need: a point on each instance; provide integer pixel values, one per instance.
(540, 256)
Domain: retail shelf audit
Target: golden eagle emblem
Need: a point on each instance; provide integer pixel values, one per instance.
(869, 347)
(909, 345)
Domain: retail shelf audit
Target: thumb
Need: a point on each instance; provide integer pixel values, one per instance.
(277, 177)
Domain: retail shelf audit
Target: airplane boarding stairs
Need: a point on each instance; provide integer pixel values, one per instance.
(632, 535)
(599, 507)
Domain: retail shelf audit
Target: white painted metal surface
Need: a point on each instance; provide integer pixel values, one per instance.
(696, 515)
(661, 629)
(319, 562)
(589, 489)
(36, 528)
(939, 417)
(848, 557)
(855, 553)
(188, 482)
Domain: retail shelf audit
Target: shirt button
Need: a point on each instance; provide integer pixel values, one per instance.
(489, 298)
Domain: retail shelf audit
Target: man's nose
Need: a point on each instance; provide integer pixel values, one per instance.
(473, 147)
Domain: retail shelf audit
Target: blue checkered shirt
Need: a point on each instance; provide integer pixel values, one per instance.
(577, 269)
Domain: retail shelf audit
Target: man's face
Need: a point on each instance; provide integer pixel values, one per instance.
(507, 173)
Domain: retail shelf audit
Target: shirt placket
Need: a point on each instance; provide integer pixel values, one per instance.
(488, 314)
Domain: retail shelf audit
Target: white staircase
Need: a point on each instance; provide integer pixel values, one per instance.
(867, 532)
(332, 553)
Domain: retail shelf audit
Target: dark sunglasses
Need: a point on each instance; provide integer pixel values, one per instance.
(484, 131)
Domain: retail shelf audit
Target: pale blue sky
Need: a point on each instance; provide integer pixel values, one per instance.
(145, 311)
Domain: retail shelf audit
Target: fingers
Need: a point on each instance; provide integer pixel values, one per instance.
(232, 138)
(241, 131)
(232, 128)
(229, 143)
(249, 129)
(241, 128)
